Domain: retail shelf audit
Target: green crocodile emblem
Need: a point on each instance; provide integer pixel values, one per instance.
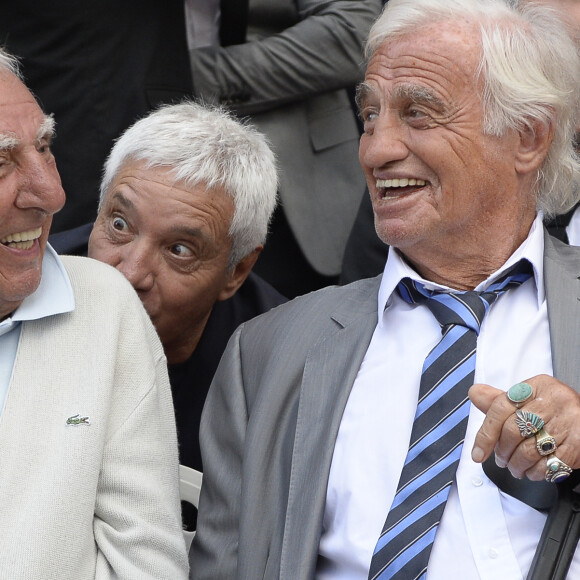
(78, 420)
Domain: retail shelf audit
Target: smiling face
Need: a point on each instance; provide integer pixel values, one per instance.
(172, 244)
(30, 191)
(440, 188)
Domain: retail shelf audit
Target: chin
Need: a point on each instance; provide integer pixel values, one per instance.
(394, 235)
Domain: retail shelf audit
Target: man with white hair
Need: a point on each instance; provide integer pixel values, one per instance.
(186, 197)
(88, 469)
(339, 438)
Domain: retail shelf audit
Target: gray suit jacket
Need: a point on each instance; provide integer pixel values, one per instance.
(291, 76)
(273, 413)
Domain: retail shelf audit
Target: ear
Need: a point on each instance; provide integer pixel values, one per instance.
(237, 276)
(535, 142)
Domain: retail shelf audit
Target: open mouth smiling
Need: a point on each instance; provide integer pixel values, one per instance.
(21, 240)
(396, 188)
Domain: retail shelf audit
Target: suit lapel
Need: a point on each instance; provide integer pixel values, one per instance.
(330, 370)
(561, 275)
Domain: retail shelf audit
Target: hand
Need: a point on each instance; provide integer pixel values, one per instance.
(556, 403)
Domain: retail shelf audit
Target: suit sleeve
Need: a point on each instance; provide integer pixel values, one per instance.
(137, 524)
(214, 551)
(321, 52)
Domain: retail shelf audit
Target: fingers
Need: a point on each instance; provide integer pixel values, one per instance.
(497, 408)
(482, 396)
(551, 401)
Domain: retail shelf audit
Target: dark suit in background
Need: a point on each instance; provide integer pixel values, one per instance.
(98, 66)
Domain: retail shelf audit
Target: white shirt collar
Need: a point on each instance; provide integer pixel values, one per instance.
(531, 249)
(54, 294)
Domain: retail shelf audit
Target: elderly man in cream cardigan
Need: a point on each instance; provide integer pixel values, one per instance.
(88, 467)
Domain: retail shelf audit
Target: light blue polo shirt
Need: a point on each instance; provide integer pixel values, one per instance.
(54, 295)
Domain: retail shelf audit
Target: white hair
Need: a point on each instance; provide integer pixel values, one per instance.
(530, 71)
(9, 63)
(206, 146)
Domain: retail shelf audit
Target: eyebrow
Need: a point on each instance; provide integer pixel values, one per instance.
(363, 92)
(8, 141)
(413, 93)
(124, 201)
(418, 94)
(189, 232)
(45, 131)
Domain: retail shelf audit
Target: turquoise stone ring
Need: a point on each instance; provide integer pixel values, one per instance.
(519, 394)
(556, 470)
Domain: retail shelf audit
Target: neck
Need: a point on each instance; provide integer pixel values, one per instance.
(182, 347)
(462, 265)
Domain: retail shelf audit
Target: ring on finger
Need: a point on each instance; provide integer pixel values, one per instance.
(528, 423)
(519, 393)
(556, 470)
(545, 443)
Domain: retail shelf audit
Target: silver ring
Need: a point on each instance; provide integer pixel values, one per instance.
(528, 423)
(519, 393)
(545, 443)
(556, 470)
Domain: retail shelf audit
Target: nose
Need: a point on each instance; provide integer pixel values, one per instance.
(40, 186)
(384, 142)
(136, 263)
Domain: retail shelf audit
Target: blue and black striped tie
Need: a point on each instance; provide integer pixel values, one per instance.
(402, 551)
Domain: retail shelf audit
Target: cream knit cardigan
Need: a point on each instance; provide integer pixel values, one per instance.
(95, 497)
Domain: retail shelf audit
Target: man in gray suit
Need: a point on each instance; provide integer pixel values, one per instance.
(287, 65)
(469, 108)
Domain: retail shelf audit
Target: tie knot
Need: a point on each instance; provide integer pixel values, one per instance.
(462, 308)
(449, 308)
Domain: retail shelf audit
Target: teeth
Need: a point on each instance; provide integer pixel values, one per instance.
(21, 245)
(400, 182)
(24, 240)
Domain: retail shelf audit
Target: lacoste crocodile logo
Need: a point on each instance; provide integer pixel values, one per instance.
(78, 420)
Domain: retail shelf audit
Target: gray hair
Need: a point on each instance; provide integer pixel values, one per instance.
(530, 68)
(207, 146)
(9, 63)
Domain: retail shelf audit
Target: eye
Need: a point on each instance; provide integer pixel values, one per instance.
(415, 113)
(369, 117)
(369, 114)
(119, 224)
(417, 117)
(180, 251)
(44, 148)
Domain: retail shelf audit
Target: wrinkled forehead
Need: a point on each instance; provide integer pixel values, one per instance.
(21, 118)
(441, 57)
(13, 91)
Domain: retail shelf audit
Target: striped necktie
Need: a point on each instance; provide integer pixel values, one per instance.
(402, 551)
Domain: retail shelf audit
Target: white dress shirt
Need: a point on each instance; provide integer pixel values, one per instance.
(54, 295)
(484, 534)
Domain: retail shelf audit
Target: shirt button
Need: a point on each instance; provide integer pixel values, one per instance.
(477, 481)
(493, 553)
